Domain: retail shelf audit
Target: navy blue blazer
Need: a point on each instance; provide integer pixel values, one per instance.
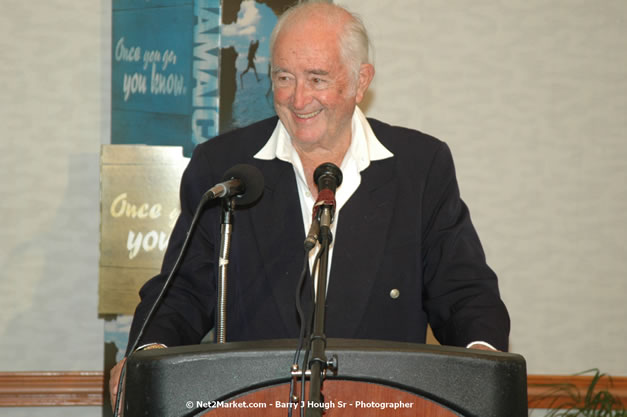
(405, 228)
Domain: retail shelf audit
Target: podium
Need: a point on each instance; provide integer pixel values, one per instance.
(374, 378)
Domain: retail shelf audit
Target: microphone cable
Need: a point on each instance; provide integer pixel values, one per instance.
(301, 317)
(252, 180)
(305, 328)
(166, 285)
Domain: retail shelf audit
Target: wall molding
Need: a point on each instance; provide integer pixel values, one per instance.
(86, 388)
(63, 388)
(542, 393)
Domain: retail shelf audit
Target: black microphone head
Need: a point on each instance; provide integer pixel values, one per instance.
(252, 181)
(328, 175)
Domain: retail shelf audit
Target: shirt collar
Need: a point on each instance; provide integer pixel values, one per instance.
(364, 147)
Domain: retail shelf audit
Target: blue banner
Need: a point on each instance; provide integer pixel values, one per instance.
(165, 57)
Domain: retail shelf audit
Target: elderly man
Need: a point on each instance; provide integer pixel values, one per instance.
(405, 252)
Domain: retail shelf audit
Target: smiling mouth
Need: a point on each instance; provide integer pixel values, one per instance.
(308, 115)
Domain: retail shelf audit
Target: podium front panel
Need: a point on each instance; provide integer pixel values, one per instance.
(190, 380)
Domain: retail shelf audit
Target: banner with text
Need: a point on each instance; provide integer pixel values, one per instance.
(165, 60)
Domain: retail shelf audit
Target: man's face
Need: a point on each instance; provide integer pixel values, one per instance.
(314, 93)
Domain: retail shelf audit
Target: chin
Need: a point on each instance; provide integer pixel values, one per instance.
(306, 135)
(306, 140)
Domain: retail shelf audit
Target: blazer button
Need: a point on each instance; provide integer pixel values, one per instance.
(394, 294)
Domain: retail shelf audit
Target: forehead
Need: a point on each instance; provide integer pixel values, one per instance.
(307, 45)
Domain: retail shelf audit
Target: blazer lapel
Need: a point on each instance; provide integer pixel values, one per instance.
(359, 246)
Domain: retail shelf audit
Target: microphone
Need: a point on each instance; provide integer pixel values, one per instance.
(242, 181)
(327, 178)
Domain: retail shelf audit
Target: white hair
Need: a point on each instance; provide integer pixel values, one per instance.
(354, 45)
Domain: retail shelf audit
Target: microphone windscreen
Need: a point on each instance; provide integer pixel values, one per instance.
(328, 175)
(252, 179)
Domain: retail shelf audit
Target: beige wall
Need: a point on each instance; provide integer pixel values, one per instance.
(54, 111)
(532, 98)
(530, 95)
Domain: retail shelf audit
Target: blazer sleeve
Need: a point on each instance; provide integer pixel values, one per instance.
(187, 313)
(461, 295)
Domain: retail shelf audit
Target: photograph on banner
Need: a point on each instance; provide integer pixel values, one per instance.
(245, 79)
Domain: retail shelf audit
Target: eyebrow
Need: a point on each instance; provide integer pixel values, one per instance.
(318, 72)
(312, 71)
(276, 70)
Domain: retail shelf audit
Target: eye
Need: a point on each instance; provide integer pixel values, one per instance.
(282, 79)
(318, 82)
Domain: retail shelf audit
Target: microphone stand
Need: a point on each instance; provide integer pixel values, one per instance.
(226, 227)
(319, 362)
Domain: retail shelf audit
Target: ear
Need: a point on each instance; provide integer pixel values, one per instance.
(366, 74)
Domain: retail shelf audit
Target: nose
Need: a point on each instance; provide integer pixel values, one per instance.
(301, 96)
